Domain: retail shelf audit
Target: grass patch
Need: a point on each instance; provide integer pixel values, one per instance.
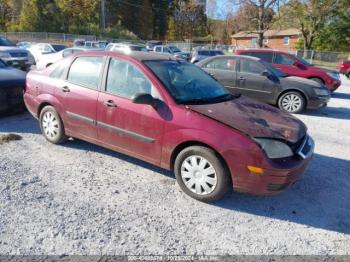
(9, 137)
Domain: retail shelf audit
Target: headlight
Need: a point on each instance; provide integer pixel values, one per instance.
(4, 55)
(321, 92)
(274, 148)
(334, 75)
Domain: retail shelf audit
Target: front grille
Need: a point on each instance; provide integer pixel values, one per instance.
(18, 54)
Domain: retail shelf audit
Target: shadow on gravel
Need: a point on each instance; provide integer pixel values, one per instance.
(321, 199)
(331, 112)
(82, 145)
(341, 95)
(23, 123)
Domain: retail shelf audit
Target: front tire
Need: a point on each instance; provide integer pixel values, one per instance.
(51, 125)
(201, 174)
(292, 102)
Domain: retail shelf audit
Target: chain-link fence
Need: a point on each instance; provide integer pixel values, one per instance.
(324, 58)
(58, 37)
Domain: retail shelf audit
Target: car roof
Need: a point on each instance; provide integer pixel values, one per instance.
(137, 55)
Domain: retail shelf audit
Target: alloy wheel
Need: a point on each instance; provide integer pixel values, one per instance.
(292, 103)
(198, 175)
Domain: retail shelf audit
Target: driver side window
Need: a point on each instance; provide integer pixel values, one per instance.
(125, 80)
(252, 67)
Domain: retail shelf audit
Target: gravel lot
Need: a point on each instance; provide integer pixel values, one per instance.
(79, 198)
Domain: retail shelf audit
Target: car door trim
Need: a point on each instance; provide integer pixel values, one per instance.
(255, 90)
(126, 132)
(81, 118)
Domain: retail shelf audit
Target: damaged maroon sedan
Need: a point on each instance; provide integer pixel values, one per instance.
(174, 115)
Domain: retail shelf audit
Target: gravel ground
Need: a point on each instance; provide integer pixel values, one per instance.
(79, 198)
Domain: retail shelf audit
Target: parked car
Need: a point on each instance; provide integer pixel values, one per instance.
(152, 43)
(49, 59)
(172, 50)
(125, 47)
(95, 45)
(12, 83)
(79, 42)
(41, 49)
(257, 79)
(295, 66)
(344, 68)
(14, 56)
(24, 45)
(200, 54)
(172, 114)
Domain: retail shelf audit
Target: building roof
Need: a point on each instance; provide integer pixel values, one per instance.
(268, 33)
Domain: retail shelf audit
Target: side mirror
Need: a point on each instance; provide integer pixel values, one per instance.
(298, 64)
(145, 99)
(266, 73)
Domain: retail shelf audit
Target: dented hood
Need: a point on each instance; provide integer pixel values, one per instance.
(254, 119)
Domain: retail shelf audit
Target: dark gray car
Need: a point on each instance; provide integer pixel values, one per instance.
(257, 79)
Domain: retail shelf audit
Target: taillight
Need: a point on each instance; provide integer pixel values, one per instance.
(26, 87)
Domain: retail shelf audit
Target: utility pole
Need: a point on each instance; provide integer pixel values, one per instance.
(103, 15)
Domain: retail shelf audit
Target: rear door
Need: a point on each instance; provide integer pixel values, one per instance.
(134, 129)
(252, 83)
(81, 93)
(224, 70)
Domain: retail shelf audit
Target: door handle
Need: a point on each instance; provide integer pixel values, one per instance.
(109, 103)
(65, 89)
(241, 78)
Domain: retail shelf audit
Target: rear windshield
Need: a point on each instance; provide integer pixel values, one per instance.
(59, 47)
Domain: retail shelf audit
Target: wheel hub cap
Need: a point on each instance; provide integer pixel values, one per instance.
(291, 103)
(50, 125)
(198, 175)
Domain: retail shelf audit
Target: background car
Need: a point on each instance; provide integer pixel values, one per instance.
(172, 50)
(41, 49)
(12, 82)
(15, 56)
(79, 42)
(95, 45)
(152, 43)
(295, 66)
(49, 59)
(344, 68)
(126, 47)
(172, 114)
(200, 54)
(254, 78)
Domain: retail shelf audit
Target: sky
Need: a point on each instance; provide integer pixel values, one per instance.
(221, 7)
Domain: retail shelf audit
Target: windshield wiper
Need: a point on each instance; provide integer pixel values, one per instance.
(210, 100)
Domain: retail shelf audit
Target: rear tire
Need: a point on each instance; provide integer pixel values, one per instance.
(292, 102)
(347, 74)
(201, 174)
(51, 125)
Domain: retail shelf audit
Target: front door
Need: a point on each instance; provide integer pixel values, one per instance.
(224, 70)
(134, 129)
(82, 90)
(253, 83)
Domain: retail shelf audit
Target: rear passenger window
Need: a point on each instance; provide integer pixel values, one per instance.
(252, 67)
(126, 80)
(60, 71)
(223, 64)
(85, 71)
(282, 59)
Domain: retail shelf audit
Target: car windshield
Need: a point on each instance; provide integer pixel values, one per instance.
(303, 61)
(187, 83)
(58, 47)
(5, 42)
(174, 49)
(274, 70)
